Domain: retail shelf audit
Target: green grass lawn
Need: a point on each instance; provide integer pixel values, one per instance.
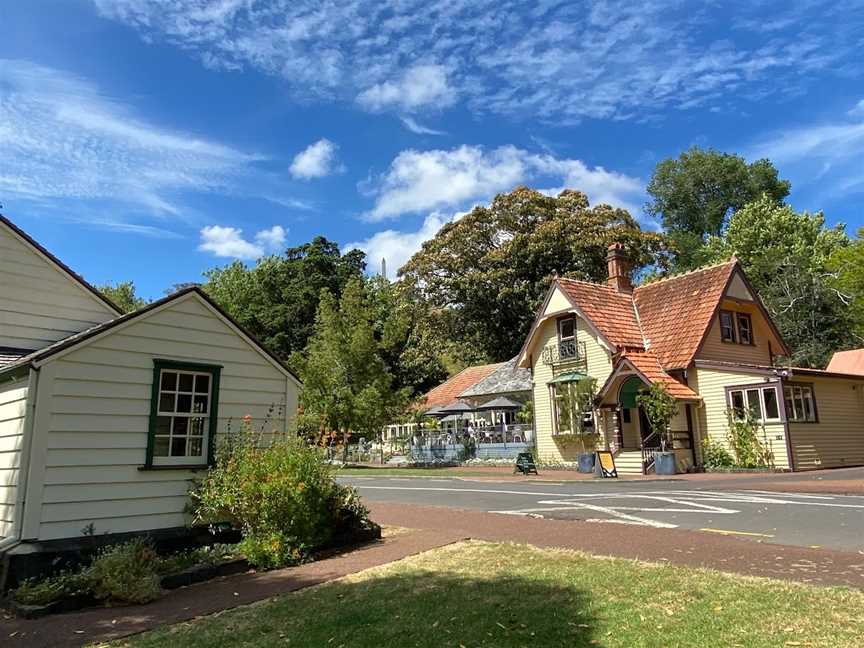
(482, 594)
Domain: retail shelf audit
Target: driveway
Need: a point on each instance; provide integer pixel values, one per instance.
(789, 518)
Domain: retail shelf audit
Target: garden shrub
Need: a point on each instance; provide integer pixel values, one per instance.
(125, 573)
(743, 435)
(715, 456)
(65, 584)
(282, 496)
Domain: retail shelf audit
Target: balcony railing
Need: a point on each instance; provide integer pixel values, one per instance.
(568, 352)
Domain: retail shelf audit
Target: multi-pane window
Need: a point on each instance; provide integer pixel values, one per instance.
(182, 413)
(800, 404)
(745, 328)
(567, 337)
(727, 326)
(562, 401)
(761, 401)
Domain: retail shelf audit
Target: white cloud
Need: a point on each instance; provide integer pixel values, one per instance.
(316, 161)
(552, 61)
(419, 181)
(418, 87)
(411, 124)
(271, 239)
(64, 140)
(229, 242)
(397, 247)
(857, 110)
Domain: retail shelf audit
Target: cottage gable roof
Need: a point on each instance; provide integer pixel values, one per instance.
(508, 378)
(648, 367)
(451, 389)
(848, 362)
(675, 313)
(609, 310)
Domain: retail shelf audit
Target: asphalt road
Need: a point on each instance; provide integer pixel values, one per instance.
(809, 520)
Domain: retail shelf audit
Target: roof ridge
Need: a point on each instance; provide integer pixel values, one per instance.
(731, 260)
(588, 283)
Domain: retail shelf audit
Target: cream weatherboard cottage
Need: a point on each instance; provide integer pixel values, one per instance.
(104, 417)
(706, 336)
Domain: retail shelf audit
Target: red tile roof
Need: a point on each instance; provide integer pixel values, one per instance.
(648, 365)
(847, 362)
(676, 312)
(448, 391)
(609, 310)
(669, 316)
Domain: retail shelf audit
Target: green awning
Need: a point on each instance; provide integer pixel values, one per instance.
(628, 391)
(570, 376)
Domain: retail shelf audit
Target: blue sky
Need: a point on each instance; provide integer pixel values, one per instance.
(153, 139)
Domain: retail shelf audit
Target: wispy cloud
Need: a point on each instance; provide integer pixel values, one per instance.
(411, 124)
(64, 140)
(418, 87)
(827, 154)
(420, 181)
(229, 242)
(554, 61)
(316, 161)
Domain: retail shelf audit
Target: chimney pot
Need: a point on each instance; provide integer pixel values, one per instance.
(619, 266)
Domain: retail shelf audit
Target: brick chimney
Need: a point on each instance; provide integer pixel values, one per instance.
(619, 268)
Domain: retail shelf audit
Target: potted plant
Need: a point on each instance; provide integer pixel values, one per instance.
(660, 408)
(576, 407)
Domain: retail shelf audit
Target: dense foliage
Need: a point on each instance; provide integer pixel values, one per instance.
(787, 257)
(660, 408)
(695, 194)
(282, 496)
(483, 277)
(123, 296)
(276, 300)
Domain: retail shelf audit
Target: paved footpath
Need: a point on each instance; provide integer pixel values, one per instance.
(804, 519)
(104, 624)
(674, 546)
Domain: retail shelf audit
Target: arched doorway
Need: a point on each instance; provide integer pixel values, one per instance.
(635, 427)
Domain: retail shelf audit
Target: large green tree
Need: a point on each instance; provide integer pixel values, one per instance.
(123, 296)
(695, 194)
(482, 278)
(347, 387)
(277, 299)
(847, 267)
(787, 255)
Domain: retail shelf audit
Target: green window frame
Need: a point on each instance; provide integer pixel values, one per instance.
(184, 413)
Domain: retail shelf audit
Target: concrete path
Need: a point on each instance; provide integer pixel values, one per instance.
(673, 546)
(801, 519)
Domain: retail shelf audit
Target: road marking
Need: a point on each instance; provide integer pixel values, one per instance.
(744, 533)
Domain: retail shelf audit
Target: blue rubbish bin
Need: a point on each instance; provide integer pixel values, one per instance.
(665, 464)
(586, 462)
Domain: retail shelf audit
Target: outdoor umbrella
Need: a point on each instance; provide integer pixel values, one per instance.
(500, 404)
(435, 412)
(457, 407)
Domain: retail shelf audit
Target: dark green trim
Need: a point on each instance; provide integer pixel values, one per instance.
(215, 373)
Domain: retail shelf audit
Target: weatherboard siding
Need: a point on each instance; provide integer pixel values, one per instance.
(39, 303)
(713, 347)
(711, 419)
(838, 438)
(95, 425)
(599, 367)
(13, 412)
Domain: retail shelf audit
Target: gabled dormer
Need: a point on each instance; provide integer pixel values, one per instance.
(41, 299)
(741, 329)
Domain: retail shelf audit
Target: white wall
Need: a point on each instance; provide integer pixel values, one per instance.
(39, 303)
(93, 415)
(13, 408)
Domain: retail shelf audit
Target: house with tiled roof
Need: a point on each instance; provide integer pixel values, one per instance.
(708, 339)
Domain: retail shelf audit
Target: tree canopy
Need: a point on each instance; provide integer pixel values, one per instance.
(347, 387)
(482, 278)
(695, 194)
(276, 300)
(786, 255)
(123, 296)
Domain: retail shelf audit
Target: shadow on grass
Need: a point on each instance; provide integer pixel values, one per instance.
(410, 608)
